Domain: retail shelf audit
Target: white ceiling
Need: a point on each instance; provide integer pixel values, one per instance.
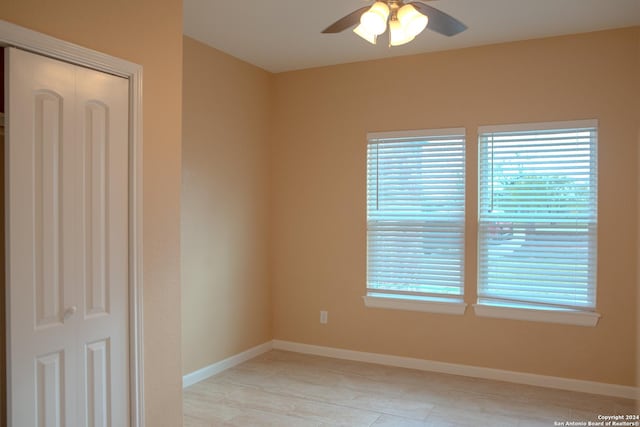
(284, 35)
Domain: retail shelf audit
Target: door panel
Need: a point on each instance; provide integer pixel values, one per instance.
(68, 167)
(50, 390)
(102, 102)
(47, 155)
(98, 384)
(96, 263)
(39, 260)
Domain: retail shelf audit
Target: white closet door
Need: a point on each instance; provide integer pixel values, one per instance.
(67, 166)
(102, 126)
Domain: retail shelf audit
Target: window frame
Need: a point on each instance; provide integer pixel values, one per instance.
(447, 303)
(518, 311)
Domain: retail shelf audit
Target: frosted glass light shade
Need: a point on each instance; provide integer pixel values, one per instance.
(362, 32)
(374, 20)
(398, 35)
(412, 21)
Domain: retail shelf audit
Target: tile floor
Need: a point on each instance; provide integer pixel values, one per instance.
(285, 389)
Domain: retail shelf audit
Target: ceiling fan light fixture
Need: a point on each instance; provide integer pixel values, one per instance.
(412, 21)
(362, 32)
(397, 34)
(374, 20)
(405, 21)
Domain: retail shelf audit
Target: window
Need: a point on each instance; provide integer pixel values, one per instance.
(538, 221)
(415, 220)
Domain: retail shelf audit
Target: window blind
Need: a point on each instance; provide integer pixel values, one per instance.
(538, 216)
(415, 214)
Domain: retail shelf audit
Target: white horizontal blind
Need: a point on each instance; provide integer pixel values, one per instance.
(538, 216)
(415, 214)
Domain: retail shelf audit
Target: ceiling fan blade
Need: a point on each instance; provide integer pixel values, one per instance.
(347, 21)
(439, 21)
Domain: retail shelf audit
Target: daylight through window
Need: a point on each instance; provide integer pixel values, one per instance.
(415, 215)
(538, 216)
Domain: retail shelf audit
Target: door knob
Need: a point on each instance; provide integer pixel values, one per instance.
(69, 312)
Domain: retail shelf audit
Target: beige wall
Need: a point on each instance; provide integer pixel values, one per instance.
(638, 267)
(638, 259)
(638, 224)
(147, 32)
(225, 293)
(3, 335)
(318, 216)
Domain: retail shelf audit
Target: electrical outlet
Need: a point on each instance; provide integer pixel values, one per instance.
(324, 317)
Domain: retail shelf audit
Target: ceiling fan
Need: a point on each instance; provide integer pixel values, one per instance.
(406, 20)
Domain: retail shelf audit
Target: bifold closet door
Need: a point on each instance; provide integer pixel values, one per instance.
(67, 213)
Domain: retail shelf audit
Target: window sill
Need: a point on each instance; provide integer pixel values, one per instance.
(568, 317)
(424, 305)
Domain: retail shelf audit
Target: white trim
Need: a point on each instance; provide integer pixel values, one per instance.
(441, 307)
(515, 127)
(560, 383)
(215, 368)
(16, 36)
(136, 242)
(399, 134)
(568, 317)
(582, 386)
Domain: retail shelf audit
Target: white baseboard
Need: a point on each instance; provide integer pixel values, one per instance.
(582, 386)
(229, 362)
(465, 370)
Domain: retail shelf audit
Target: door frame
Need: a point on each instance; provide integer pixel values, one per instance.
(12, 35)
